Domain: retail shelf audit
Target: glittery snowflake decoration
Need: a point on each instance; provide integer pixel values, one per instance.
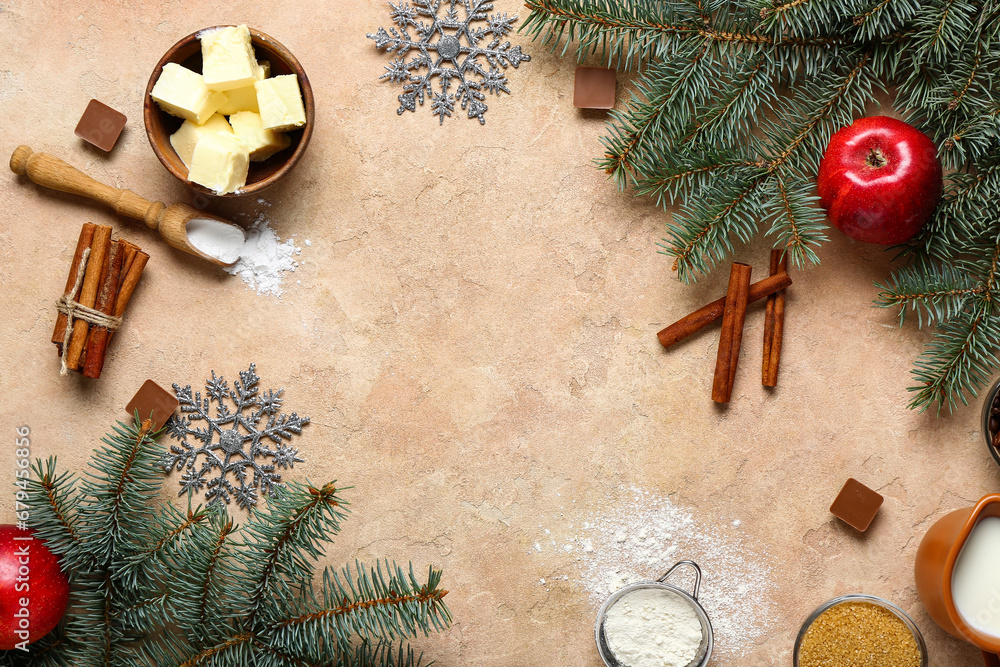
(238, 440)
(449, 48)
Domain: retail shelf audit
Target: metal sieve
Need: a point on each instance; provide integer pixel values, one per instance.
(704, 653)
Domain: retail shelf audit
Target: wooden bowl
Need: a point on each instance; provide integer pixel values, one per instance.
(160, 125)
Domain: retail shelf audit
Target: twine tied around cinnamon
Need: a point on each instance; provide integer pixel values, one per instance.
(73, 310)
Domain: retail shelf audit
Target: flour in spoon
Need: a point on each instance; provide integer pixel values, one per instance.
(217, 239)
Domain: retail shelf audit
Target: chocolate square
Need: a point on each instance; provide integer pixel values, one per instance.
(856, 504)
(154, 403)
(594, 88)
(100, 125)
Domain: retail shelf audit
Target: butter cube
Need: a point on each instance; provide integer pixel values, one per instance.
(261, 143)
(186, 137)
(220, 163)
(245, 98)
(228, 58)
(280, 103)
(181, 92)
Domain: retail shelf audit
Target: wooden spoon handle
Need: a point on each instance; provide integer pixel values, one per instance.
(52, 172)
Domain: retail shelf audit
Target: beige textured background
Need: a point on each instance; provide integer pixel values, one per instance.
(472, 332)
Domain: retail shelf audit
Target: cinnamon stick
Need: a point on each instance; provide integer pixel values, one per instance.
(88, 293)
(86, 238)
(97, 341)
(130, 250)
(733, 316)
(774, 324)
(129, 281)
(705, 315)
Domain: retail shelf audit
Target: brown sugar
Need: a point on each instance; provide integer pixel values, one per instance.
(858, 634)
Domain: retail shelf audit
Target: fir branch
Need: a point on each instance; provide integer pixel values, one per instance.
(285, 657)
(173, 534)
(628, 33)
(690, 172)
(145, 616)
(291, 528)
(966, 212)
(232, 645)
(960, 358)
(730, 115)
(780, 9)
(173, 589)
(170, 529)
(382, 654)
(882, 17)
(943, 26)
(833, 100)
(935, 294)
(373, 605)
(54, 502)
(804, 18)
(967, 80)
(664, 87)
(125, 480)
(701, 233)
(206, 576)
(797, 221)
(975, 138)
(622, 23)
(958, 361)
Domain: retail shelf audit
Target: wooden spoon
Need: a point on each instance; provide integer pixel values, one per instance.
(171, 221)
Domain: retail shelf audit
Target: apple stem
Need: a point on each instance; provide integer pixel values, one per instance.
(876, 159)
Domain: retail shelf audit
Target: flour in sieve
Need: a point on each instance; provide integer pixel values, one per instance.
(653, 627)
(639, 536)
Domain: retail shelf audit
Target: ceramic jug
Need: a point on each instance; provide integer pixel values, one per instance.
(936, 557)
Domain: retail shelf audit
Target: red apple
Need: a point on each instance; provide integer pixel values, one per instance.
(34, 591)
(880, 180)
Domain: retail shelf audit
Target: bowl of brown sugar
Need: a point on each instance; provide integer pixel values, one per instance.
(859, 631)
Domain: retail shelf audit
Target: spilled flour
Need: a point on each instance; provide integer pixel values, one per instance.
(265, 258)
(643, 534)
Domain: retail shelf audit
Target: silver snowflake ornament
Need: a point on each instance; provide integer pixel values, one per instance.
(237, 441)
(447, 47)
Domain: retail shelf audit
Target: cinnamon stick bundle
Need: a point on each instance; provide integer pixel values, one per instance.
(705, 315)
(733, 317)
(774, 323)
(110, 276)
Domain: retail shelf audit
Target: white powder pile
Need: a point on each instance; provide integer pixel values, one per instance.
(652, 627)
(265, 259)
(640, 536)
